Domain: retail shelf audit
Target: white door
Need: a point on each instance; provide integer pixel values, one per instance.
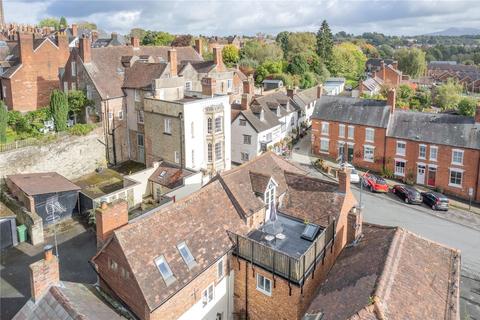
(140, 148)
(421, 174)
(269, 198)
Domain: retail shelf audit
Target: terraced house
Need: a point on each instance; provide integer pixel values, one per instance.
(432, 149)
(265, 241)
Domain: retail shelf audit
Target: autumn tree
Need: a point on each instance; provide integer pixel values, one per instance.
(230, 55)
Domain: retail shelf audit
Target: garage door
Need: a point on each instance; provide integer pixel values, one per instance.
(6, 239)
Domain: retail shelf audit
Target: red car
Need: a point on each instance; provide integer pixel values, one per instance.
(374, 183)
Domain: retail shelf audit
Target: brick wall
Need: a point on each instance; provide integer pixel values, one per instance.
(110, 217)
(358, 144)
(43, 274)
(443, 164)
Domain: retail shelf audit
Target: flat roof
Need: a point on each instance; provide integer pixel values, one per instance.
(293, 245)
(42, 183)
(97, 184)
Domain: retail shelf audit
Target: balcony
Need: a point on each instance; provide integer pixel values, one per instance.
(289, 255)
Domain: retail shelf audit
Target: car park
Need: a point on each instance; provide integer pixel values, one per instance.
(435, 200)
(374, 183)
(407, 193)
(354, 177)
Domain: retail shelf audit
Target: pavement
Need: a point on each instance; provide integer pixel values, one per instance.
(76, 245)
(456, 228)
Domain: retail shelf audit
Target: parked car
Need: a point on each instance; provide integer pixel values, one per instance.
(408, 194)
(374, 183)
(435, 200)
(354, 177)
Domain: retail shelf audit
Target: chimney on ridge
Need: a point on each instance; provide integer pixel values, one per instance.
(391, 98)
(94, 35)
(245, 102)
(247, 86)
(208, 86)
(218, 58)
(291, 92)
(74, 29)
(344, 180)
(319, 91)
(114, 36)
(135, 42)
(383, 70)
(25, 45)
(44, 274)
(109, 217)
(85, 49)
(198, 46)
(172, 60)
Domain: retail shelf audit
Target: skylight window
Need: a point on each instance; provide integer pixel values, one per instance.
(165, 270)
(310, 232)
(186, 255)
(163, 173)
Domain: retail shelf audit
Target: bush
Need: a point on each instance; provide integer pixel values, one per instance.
(387, 173)
(81, 129)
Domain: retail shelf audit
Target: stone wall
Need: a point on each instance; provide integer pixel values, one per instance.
(70, 156)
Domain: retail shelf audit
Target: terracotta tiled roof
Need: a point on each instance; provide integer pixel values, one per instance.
(107, 71)
(169, 175)
(259, 182)
(391, 274)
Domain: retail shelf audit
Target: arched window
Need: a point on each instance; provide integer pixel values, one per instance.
(209, 152)
(209, 125)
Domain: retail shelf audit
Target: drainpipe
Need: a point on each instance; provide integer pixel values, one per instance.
(180, 116)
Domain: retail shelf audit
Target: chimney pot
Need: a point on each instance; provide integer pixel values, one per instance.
(74, 29)
(48, 252)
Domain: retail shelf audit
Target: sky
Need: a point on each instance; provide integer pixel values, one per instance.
(228, 17)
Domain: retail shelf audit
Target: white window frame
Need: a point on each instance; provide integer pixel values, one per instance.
(193, 158)
(209, 125)
(397, 173)
(436, 153)
(169, 276)
(210, 152)
(404, 148)
(369, 131)
(176, 156)
(325, 128)
(369, 147)
(229, 83)
(247, 139)
(137, 95)
(341, 130)
(218, 151)
(453, 156)
(245, 156)
(218, 124)
(460, 171)
(186, 254)
(242, 122)
(167, 125)
(327, 141)
(208, 295)
(188, 85)
(261, 285)
(74, 68)
(110, 115)
(220, 269)
(351, 132)
(420, 146)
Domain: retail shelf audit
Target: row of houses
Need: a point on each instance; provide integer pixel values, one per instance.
(261, 241)
(467, 75)
(432, 149)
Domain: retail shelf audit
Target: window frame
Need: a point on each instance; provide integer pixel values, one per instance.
(260, 285)
(244, 156)
(325, 129)
(186, 254)
(140, 116)
(208, 295)
(218, 124)
(420, 146)
(218, 154)
(137, 95)
(247, 139)
(400, 174)
(404, 148)
(341, 130)
(352, 136)
(188, 85)
(210, 152)
(220, 269)
(460, 151)
(167, 126)
(457, 171)
(176, 156)
(242, 122)
(322, 140)
(73, 66)
(367, 131)
(430, 153)
(209, 125)
(365, 147)
(168, 278)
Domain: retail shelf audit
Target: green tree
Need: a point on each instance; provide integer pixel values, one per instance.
(3, 122)
(411, 61)
(63, 23)
(267, 68)
(230, 55)
(308, 80)
(300, 43)
(325, 42)
(405, 94)
(282, 40)
(347, 61)
(447, 95)
(157, 38)
(260, 51)
(77, 101)
(298, 65)
(49, 22)
(138, 33)
(59, 109)
(87, 25)
(467, 106)
(386, 51)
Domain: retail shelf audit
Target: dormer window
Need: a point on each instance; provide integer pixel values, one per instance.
(186, 255)
(165, 270)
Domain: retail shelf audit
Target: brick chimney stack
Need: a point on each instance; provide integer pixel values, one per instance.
(209, 86)
(247, 86)
(94, 35)
(395, 65)
(245, 102)
(44, 274)
(383, 70)
(74, 29)
(198, 46)
(291, 92)
(391, 98)
(114, 36)
(85, 49)
(344, 180)
(110, 217)
(135, 42)
(354, 224)
(25, 44)
(172, 60)
(218, 58)
(477, 114)
(319, 91)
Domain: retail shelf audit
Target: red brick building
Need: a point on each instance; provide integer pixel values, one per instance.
(436, 150)
(27, 85)
(260, 242)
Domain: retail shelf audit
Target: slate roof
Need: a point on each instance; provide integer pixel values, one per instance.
(350, 110)
(390, 274)
(68, 301)
(42, 183)
(141, 74)
(304, 97)
(436, 128)
(107, 71)
(268, 103)
(372, 84)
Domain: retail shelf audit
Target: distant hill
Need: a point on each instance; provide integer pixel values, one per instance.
(455, 32)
